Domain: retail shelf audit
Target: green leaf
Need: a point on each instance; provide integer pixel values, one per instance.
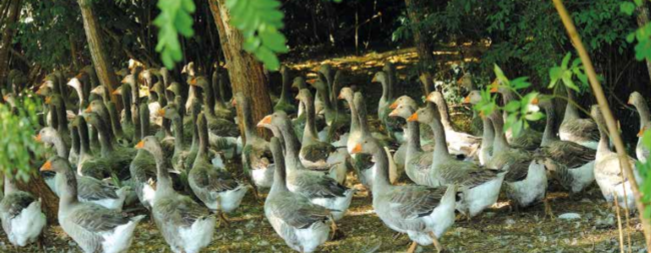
(534, 116)
(555, 74)
(268, 58)
(512, 106)
(627, 7)
(516, 128)
(566, 60)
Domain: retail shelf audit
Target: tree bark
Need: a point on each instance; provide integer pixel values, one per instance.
(7, 36)
(49, 201)
(245, 72)
(642, 20)
(101, 61)
(421, 42)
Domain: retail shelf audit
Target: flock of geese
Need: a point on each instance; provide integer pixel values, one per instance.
(166, 150)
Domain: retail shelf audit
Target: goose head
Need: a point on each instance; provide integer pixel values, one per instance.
(56, 164)
(424, 115)
(404, 100)
(170, 111)
(151, 145)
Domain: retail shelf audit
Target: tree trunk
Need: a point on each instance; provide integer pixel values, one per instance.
(101, 61)
(642, 20)
(421, 42)
(49, 201)
(245, 72)
(7, 36)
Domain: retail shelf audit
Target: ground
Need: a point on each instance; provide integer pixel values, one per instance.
(498, 229)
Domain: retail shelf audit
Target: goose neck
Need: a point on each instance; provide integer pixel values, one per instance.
(381, 180)
(440, 143)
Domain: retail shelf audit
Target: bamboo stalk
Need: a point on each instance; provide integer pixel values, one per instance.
(608, 115)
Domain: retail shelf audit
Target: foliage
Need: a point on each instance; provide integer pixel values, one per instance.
(566, 73)
(260, 22)
(174, 18)
(522, 110)
(525, 37)
(644, 168)
(18, 126)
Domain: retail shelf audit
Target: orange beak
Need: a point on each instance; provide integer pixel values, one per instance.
(466, 100)
(430, 97)
(481, 114)
(124, 80)
(48, 100)
(193, 81)
(374, 79)
(413, 117)
(5, 97)
(393, 113)
(341, 96)
(459, 80)
(38, 138)
(88, 109)
(141, 144)
(234, 103)
(161, 112)
(117, 92)
(394, 105)
(641, 132)
(265, 121)
(47, 166)
(630, 101)
(357, 149)
(40, 90)
(494, 86)
(535, 101)
(78, 76)
(311, 81)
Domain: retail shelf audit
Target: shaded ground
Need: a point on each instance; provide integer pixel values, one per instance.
(496, 230)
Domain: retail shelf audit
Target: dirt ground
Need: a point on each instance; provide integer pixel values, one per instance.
(498, 229)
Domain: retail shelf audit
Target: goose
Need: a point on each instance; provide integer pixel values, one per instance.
(642, 108)
(218, 126)
(285, 101)
(302, 224)
(313, 153)
(421, 212)
(574, 163)
(529, 139)
(417, 162)
(488, 133)
(335, 119)
(576, 129)
(221, 108)
(183, 155)
(479, 187)
(186, 225)
(361, 163)
(256, 155)
(608, 171)
(390, 124)
(458, 141)
(526, 179)
(90, 189)
(118, 158)
(93, 227)
(22, 218)
(319, 188)
(215, 187)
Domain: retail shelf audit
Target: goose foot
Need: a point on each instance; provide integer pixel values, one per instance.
(222, 217)
(548, 209)
(396, 235)
(437, 244)
(333, 228)
(412, 247)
